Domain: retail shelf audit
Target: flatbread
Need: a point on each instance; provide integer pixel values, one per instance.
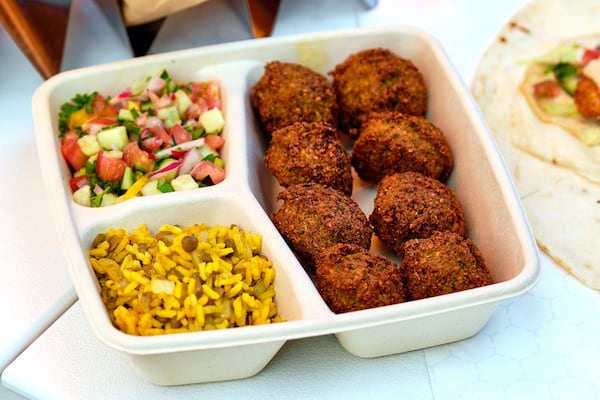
(557, 176)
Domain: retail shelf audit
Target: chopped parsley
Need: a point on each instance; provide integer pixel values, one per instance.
(77, 103)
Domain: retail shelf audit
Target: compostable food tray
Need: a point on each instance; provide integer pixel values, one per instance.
(495, 219)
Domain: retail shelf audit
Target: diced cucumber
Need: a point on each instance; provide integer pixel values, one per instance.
(113, 154)
(82, 196)
(169, 115)
(182, 102)
(125, 115)
(128, 178)
(205, 151)
(93, 158)
(569, 84)
(113, 138)
(184, 182)
(89, 145)
(108, 199)
(150, 188)
(139, 86)
(212, 121)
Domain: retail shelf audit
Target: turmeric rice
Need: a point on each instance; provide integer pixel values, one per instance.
(184, 279)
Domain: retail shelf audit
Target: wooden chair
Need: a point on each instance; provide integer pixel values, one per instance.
(39, 30)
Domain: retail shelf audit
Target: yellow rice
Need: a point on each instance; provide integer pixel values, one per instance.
(151, 285)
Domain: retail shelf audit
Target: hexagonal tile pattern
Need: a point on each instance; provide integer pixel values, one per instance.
(543, 344)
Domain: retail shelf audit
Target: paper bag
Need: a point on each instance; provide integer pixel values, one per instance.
(137, 12)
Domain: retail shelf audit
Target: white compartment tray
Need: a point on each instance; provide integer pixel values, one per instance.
(495, 219)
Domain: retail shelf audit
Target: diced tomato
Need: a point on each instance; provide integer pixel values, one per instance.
(209, 91)
(71, 151)
(101, 121)
(159, 102)
(151, 143)
(110, 169)
(214, 141)
(138, 158)
(94, 125)
(110, 111)
(589, 55)
(78, 182)
(213, 99)
(547, 88)
(180, 135)
(98, 104)
(195, 109)
(206, 169)
(162, 134)
(101, 109)
(141, 119)
(178, 153)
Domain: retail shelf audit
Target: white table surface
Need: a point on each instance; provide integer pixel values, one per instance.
(543, 344)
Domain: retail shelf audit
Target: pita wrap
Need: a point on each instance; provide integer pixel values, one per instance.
(554, 101)
(556, 173)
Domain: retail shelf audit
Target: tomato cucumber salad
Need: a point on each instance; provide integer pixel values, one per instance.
(158, 136)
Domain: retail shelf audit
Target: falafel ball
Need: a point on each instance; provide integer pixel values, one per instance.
(309, 152)
(445, 262)
(289, 92)
(314, 217)
(377, 80)
(587, 98)
(394, 142)
(350, 279)
(410, 205)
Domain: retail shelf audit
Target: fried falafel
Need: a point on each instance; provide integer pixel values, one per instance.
(445, 262)
(587, 98)
(410, 205)
(309, 152)
(350, 279)
(377, 80)
(289, 92)
(314, 217)
(395, 142)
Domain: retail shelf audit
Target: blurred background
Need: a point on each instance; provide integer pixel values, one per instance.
(40, 27)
